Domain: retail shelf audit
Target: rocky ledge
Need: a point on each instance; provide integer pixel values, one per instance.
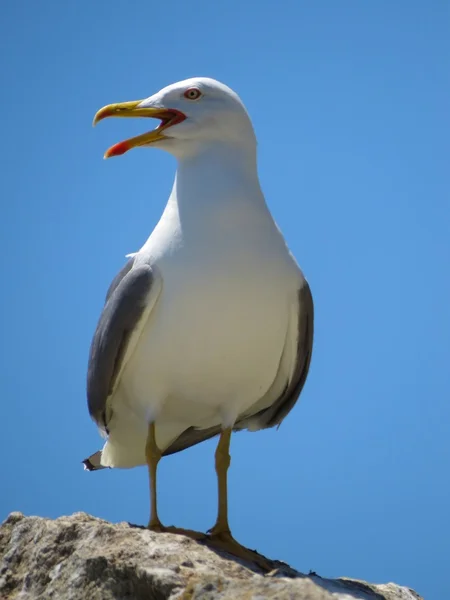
(84, 558)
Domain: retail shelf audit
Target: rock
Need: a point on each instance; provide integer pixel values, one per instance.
(84, 558)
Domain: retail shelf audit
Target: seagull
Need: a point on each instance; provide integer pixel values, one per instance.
(208, 328)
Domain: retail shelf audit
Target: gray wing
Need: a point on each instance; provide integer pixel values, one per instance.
(273, 415)
(126, 302)
(192, 437)
(118, 278)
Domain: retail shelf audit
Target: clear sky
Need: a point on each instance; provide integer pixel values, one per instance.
(350, 103)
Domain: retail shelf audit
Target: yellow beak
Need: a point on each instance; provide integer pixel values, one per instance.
(168, 118)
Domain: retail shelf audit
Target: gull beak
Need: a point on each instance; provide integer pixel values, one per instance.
(168, 118)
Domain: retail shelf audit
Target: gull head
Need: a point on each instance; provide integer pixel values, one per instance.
(192, 113)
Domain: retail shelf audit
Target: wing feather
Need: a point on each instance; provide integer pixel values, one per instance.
(274, 414)
(129, 300)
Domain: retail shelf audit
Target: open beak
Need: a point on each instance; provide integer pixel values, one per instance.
(168, 118)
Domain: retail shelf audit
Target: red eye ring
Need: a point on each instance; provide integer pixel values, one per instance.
(192, 93)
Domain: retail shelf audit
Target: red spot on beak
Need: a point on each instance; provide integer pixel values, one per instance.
(117, 149)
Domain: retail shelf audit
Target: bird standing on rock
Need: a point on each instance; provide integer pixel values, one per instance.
(208, 328)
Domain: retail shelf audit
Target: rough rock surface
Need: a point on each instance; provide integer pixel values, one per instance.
(84, 558)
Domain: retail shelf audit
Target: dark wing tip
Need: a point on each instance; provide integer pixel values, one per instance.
(93, 463)
(88, 466)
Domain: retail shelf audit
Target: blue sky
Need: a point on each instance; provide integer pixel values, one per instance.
(350, 104)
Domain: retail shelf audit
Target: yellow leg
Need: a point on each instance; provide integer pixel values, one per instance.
(153, 456)
(221, 537)
(222, 464)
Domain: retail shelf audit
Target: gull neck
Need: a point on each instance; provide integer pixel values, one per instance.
(217, 173)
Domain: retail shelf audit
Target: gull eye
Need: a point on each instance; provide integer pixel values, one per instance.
(192, 93)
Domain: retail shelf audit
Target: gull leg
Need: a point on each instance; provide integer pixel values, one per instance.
(153, 456)
(222, 456)
(220, 533)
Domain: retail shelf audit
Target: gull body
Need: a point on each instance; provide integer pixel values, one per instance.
(220, 336)
(212, 346)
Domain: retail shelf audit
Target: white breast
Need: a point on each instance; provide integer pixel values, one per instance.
(216, 336)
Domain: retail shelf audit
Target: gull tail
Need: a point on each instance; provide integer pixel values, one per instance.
(92, 463)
